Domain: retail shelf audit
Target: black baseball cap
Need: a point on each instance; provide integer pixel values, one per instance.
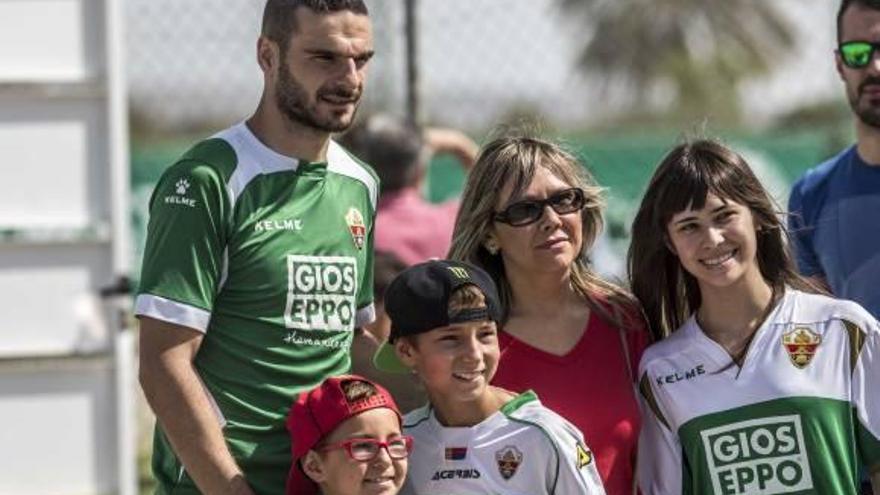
(417, 301)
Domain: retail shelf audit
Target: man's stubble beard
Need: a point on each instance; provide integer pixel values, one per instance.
(868, 114)
(291, 98)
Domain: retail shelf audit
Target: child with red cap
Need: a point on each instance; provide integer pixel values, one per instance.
(346, 439)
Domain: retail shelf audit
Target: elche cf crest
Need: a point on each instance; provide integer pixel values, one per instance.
(509, 458)
(356, 226)
(801, 345)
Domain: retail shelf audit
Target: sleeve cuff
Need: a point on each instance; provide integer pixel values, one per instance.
(174, 312)
(365, 315)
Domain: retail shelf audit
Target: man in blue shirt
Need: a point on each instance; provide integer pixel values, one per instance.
(835, 207)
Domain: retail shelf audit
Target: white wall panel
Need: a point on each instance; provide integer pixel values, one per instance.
(54, 40)
(65, 367)
(49, 296)
(56, 165)
(58, 428)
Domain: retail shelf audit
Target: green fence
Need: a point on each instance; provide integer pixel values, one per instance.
(622, 163)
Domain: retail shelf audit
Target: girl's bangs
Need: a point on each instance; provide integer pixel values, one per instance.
(687, 188)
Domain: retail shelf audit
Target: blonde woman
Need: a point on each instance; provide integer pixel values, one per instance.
(529, 215)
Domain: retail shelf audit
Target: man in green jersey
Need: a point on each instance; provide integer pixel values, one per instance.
(258, 263)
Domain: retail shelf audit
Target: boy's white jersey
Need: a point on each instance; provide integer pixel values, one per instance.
(523, 449)
(799, 416)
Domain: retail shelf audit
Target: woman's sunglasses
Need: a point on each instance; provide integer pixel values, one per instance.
(857, 54)
(530, 211)
(366, 449)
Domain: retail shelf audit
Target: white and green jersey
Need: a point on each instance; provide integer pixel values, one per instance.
(523, 449)
(271, 258)
(799, 417)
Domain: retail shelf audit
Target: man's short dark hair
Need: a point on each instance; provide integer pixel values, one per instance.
(845, 4)
(279, 16)
(393, 147)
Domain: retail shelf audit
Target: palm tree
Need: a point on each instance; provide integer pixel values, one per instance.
(696, 52)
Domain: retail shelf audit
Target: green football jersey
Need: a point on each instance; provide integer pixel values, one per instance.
(271, 258)
(800, 416)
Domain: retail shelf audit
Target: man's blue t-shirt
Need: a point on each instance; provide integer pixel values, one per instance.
(835, 225)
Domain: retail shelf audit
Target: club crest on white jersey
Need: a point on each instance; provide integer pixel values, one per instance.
(509, 458)
(801, 345)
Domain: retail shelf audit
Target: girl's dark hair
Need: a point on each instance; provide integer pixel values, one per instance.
(683, 180)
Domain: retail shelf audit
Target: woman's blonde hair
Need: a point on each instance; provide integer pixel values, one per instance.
(513, 160)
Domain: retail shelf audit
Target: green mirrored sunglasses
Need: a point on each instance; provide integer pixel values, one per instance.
(857, 54)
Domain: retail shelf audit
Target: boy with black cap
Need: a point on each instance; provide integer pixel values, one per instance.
(346, 440)
(473, 438)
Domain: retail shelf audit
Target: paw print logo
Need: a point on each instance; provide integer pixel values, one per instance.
(182, 185)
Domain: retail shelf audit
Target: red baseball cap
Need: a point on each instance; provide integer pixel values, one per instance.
(316, 413)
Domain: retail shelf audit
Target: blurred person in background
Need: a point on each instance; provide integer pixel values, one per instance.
(408, 225)
(405, 388)
(758, 384)
(834, 206)
(258, 260)
(529, 215)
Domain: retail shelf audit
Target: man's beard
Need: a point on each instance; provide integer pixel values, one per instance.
(868, 113)
(292, 100)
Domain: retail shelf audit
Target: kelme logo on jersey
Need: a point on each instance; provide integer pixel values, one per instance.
(321, 292)
(801, 345)
(180, 187)
(509, 458)
(764, 456)
(356, 226)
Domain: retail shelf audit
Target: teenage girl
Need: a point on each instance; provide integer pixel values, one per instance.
(759, 384)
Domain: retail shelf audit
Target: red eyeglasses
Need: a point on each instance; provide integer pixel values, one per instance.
(366, 449)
